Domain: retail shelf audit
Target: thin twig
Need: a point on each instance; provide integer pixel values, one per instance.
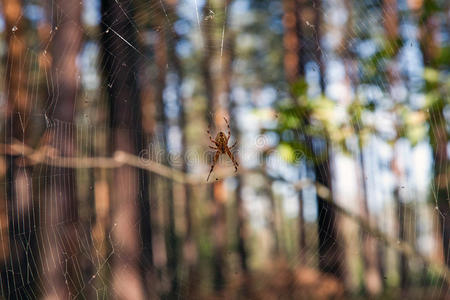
(399, 245)
(48, 155)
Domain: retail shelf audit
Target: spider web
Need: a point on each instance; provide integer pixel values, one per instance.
(36, 224)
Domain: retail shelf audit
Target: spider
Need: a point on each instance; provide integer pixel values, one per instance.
(221, 147)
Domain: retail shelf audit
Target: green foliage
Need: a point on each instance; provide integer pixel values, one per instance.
(302, 118)
(356, 110)
(287, 152)
(436, 89)
(430, 7)
(444, 57)
(410, 123)
(413, 124)
(299, 88)
(380, 60)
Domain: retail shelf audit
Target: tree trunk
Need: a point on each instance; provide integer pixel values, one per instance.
(431, 51)
(60, 210)
(189, 246)
(119, 64)
(241, 214)
(294, 70)
(161, 54)
(330, 248)
(439, 137)
(301, 229)
(390, 13)
(241, 228)
(274, 221)
(215, 89)
(18, 211)
(331, 251)
(292, 40)
(172, 239)
(372, 276)
(152, 110)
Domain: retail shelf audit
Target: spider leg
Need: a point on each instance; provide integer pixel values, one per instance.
(234, 145)
(215, 148)
(216, 157)
(228, 126)
(210, 137)
(232, 159)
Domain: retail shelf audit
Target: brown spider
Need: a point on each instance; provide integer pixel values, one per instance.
(221, 142)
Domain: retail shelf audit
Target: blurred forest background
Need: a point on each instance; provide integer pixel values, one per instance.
(340, 110)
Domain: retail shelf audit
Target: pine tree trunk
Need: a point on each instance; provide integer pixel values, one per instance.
(60, 209)
(18, 212)
(301, 229)
(294, 69)
(390, 13)
(189, 247)
(214, 88)
(372, 276)
(172, 240)
(329, 248)
(431, 50)
(119, 65)
(157, 186)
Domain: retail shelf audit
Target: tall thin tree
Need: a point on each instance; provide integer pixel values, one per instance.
(189, 246)
(19, 205)
(294, 69)
(119, 60)
(215, 91)
(432, 52)
(60, 207)
(329, 247)
(390, 14)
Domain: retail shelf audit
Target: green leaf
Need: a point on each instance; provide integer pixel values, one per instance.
(299, 88)
(286, 152)
(431, 75)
